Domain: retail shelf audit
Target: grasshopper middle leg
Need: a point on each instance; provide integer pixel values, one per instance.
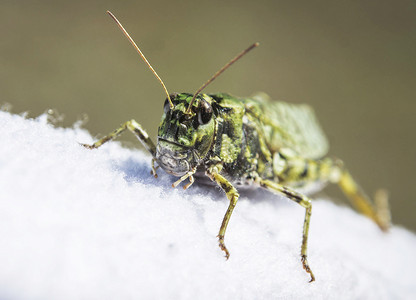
(304, 202)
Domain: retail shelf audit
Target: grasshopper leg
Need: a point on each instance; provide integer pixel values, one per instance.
(299, 169)
(136, 129)
(232, 195)
(304, 202)
(379, 212)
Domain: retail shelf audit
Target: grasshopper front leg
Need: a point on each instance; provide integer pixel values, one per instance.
(232, 195)
(138, 131)
(135, 128)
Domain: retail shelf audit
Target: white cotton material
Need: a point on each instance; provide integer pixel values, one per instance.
(94, 224)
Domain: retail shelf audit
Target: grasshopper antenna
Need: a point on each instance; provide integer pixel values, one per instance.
(141, 55)
(219, 73)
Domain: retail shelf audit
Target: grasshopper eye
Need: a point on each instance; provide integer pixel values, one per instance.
(166, 106)
(204, 113)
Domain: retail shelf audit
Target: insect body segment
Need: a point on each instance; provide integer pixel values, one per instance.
(253, 141)
(184, 139)
(231, 145)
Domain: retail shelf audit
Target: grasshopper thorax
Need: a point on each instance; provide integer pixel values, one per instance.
(185, 136)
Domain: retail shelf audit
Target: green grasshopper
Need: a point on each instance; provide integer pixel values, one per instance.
(247, 142)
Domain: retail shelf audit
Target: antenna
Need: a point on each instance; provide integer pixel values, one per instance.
(219, 73)
(141, 55)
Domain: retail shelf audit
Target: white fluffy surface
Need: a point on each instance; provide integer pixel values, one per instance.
(82, 224)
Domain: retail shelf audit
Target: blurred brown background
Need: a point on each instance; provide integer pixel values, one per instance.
(353, 61)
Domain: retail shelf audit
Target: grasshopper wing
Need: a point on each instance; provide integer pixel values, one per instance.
(289, 126)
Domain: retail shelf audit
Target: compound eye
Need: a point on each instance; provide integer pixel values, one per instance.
(204, 112)
(166, 106)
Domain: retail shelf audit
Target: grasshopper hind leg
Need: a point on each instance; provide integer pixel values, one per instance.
(378, 210)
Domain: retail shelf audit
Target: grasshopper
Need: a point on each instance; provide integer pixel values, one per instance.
(236, 142)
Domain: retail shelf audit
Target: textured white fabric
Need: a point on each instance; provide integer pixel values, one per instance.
(94, 224)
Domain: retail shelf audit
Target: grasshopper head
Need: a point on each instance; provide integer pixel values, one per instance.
(184, 138)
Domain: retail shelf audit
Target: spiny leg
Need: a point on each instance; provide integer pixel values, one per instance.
(136, 129)
(232, 195)
(379, 212)
(304, 202)
(297, 169)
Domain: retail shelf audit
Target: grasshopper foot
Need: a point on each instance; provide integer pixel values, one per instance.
(88, 146)
(222, 246)
(307, 268)
(381, 199)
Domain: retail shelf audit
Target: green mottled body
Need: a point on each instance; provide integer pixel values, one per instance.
(256, 137)
(253, 142)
